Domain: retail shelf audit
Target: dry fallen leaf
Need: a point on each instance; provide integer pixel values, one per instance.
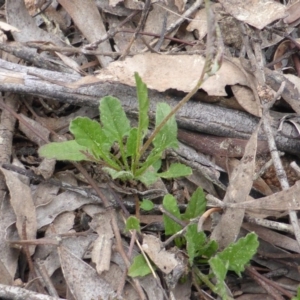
(101, 252)
(293, 13)
(162, 258)
(9, 256)
(83, 280)
(161, 72)
(284, 200)
(240, 184)
(199, 22)
(258, 14)
(22, 203)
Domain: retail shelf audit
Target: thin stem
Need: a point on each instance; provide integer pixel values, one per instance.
(174, 110)
(204, 278)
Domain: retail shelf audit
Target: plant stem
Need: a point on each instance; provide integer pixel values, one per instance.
(174, 110)
(204, 278)
(213, 34)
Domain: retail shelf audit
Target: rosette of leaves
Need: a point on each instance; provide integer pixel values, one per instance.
(94, 141)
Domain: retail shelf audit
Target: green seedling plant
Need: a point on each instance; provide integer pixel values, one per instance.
(200, 250)
(94, 141)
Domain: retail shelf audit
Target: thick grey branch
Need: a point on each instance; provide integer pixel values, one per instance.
(196, 116)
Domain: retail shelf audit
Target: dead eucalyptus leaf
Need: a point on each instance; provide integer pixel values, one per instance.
(101, 252)
(284, 200)
(22, 203)
(258, 13)
(163, 259)
(83, 281)
(240, 184)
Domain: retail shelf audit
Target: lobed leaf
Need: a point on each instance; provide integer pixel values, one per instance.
(219, 269)
(148, 177)
(196, 206)
(139, 267)
(194, 242)
(114, 120)
(237, 255)
(89, 133)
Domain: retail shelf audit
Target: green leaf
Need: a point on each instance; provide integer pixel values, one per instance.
(176, 170)
(219, 269)
(89, 133)
(123, 175)
(68, 150)
(208, 250)
(237, 255)
(157, 165)
(146, 205)
(131, 144)
(113, 118)
(148, 177)
(167, 136)
(196, 206)
(194, 242)
(170, 204)
(139, 267)
(142, 95)
(133, 223)
(298, 295)
(151, 160)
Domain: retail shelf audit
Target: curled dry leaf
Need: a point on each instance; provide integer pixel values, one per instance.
(281, 50)
(182, 72)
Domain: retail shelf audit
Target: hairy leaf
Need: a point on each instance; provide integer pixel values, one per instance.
(196, 206)
(131, 144)
(148, 177)
(170, 204)
(219, 270)
(89, 133)
(167, 136)
(123, 175)
(176, 170)
(194, 242)
(133, 223)
(142, 95)
(115, 123)
(69, 150)
(146, 205)
(237, 255)
(139, 267)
